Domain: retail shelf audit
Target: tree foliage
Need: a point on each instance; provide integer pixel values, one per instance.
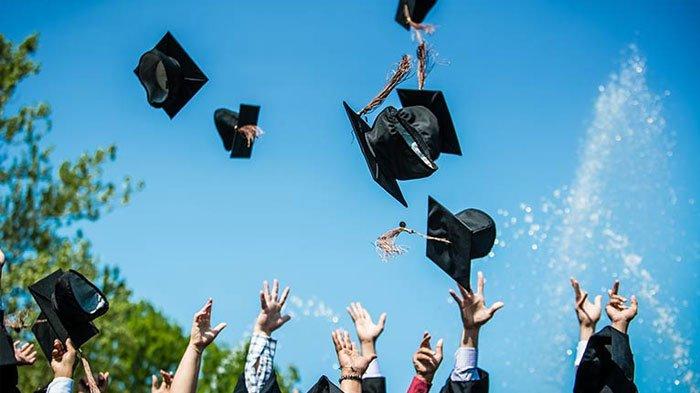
(41, 208)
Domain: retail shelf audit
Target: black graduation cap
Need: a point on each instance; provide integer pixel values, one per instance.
(169, 75)
(435, 101)
(402, 144)
(324, 386)
(386, 181)
(417, 9)
(69, 303)
(607, 364)
(228, 123)
(471, 234)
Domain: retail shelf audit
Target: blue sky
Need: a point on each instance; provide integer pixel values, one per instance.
(521, 83)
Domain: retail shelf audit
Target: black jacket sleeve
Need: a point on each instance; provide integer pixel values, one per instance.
(480, 386)
(374, 385)
(607, 364)
(270, 385)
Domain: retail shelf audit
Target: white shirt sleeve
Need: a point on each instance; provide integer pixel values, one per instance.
(60, 385)
(580, 349)
(372, 370)
(465, 365)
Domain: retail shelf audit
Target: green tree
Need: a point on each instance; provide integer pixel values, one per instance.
(41, 209)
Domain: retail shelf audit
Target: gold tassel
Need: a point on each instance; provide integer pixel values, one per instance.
(250, 132)
(398, 76)
(386, 243)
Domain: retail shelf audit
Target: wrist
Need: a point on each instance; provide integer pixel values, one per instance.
(197, 349)
(262, 332)
(368, 347)
(425, 377)
(63, 373)
(586, 331)
(470, 338)
(621, 326)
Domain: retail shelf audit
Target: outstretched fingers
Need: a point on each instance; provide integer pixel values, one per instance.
(285, 295)
(577, 288)
(495, 307)
(481, 281)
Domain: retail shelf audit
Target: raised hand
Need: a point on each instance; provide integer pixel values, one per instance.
(63, 358)
(25, 355)
(619, 313)
(588, 313)
(367, 331)
(164, 386)
(270, 317)
(102, 380)
(472, 306)
(202, 333)
(351, 362)
(426, 360)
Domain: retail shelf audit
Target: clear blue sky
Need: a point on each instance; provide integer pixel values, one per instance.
(521, 83)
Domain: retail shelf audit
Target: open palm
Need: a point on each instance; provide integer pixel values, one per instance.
(270, 317)
(202, 334)
(588, 313)
(472, 306)
(366, 329)
(349, 357)
(617, 309)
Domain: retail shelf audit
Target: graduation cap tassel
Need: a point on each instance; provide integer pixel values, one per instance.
(398, 76)
(386, 243)
(250, 132)
(422, 55)
(417, 27)
(92, 385)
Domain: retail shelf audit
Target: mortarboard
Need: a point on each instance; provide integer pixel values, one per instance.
(324, 386)
(169, 75)
(434, 100)
(69, 303)
(385, 180)
(403, 143)
(417, 11)
(471, 234)
(238, 130)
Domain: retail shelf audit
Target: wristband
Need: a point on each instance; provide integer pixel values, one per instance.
(351, 377)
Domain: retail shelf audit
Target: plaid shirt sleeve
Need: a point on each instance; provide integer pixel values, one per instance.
(258, 363)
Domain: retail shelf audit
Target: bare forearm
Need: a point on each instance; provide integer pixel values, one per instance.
(351, 386)
(470, 338)
(585, 332)
(368, 347)
(187, 373)
(621, 326)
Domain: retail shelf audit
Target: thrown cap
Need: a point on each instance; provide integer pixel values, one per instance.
(434, 100)
(417, 10)
(169, 75)
(69, 303)
(232, 130)
(471, 234)
(402, 144)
